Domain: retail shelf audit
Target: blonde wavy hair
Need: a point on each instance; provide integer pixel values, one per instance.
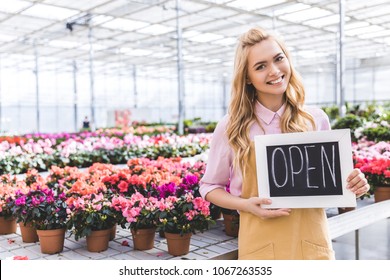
(243, 98)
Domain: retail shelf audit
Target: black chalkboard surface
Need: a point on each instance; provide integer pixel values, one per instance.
(306, 169)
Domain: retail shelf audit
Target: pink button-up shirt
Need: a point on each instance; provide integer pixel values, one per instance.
(219, 168)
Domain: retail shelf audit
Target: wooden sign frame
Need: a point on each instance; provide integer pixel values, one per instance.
(346, 198)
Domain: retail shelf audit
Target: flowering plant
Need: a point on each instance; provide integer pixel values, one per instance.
(140, 211)
(7, 194)
(42, 207)
(184, 214)
(377, 170)
(89, 212)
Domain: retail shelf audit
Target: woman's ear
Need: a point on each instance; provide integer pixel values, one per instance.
(248, 81)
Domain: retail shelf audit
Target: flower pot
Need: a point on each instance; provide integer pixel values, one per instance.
(161, 233)
(215, 212)
(51, 240)
(345, 209)
(178, 245)
(7, 226)
(231, 223)
(143, 239)
(98, 240)
(381, 193)
(29, 233)
(113, 233)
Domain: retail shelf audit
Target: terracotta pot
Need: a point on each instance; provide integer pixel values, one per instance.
(29, 233)
(161, 233)
(381, 193)
(7, 226)
(215, 212)
(143, 239)
(231, 223)
(98, 240)
(113, 233)
(345, 209)
(51, 240)
(178, 245)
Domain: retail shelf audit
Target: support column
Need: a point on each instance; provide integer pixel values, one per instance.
(75, 116)
(341, 58)
(180, 74)
(135, 86)
(92, 82)
(37, 103)
(224, 94)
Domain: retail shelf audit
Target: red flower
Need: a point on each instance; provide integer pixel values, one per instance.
(20, 258)
(123, 186)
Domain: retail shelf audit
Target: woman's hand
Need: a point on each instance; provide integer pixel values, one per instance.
(357, 183)
(253, 206)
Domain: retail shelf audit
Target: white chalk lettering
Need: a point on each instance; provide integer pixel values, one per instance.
(293, 172)
(308, 167)
(273, 167)
(331, 168)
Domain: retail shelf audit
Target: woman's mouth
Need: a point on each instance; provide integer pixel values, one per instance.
(277, 81)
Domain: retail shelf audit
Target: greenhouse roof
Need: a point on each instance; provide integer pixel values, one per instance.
(143, 33)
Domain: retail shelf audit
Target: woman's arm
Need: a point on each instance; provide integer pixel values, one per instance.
(252, 205)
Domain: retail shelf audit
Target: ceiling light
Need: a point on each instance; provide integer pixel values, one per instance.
(63, 44)
(364, 30)
(205, 37)
(49, 12)
(290, 9)
(156, 29)
(325, 21)
(356, 24)
(307, 14)
(226, 41)
(251, 5)
(7, 38)
(13, 6)
(125, 24)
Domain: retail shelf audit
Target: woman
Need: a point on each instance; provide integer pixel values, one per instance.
(267, 98)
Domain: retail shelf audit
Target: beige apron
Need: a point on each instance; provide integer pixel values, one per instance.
(303, 235)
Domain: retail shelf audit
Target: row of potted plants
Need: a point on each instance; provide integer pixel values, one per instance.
(41, 155)
(373, 159)
(366, 123)
(86, 202)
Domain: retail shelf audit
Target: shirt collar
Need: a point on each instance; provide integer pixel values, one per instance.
(265, 114)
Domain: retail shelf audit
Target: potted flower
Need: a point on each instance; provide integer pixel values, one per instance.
(50, 219)
(93, 217)
(44, 209)
(7, 194)
(179, 218)
(22, 209)
(140, 212)
(377, 172)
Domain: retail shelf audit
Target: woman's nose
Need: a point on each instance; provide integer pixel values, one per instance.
(274, 70)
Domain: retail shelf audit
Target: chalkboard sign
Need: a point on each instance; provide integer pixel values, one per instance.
(308, 169)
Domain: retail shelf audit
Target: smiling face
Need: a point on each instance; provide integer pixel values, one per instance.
(269, 72)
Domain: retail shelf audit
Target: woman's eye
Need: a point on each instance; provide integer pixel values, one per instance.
(279, 58)
(260, 67)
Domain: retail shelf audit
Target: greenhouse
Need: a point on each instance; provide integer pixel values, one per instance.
(135, 119)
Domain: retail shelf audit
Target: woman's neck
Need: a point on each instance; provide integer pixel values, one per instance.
(274, 103)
